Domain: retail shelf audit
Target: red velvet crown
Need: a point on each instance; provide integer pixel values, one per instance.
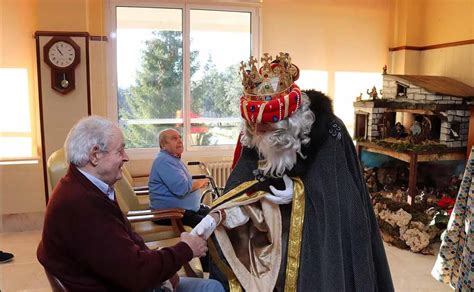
(270, 94)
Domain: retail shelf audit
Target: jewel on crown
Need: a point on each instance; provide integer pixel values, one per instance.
(274, 77)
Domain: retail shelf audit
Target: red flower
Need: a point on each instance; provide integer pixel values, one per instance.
(446, 203)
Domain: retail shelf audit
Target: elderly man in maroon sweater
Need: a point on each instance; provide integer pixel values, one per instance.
(87, 243)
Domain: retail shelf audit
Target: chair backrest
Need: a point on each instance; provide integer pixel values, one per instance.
(127, 175)
(126, 197)
(128, 201)
(55, 283)
(57, 167)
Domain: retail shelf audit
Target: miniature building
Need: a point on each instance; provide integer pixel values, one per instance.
(425, 110)
(437, 104)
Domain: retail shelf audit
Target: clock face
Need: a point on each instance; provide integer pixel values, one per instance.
(61, 54)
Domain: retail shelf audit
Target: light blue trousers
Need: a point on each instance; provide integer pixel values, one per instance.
(187, 284)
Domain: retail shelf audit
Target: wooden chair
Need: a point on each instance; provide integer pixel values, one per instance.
(55, 283)
(139, 190)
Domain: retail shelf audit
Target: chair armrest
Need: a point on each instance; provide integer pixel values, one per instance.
(153, 215)
(155, 212)
(140, 188)
(141, 192)
(173, 214)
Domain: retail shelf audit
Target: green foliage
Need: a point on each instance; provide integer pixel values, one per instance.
(440, 219)
(158, 90)
(216, 94)
(159, 80)
(404, 146)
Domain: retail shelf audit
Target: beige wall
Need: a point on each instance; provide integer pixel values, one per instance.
(338, 35)
(448, 21)
(21, 186)
(433, 22)
(408, 18)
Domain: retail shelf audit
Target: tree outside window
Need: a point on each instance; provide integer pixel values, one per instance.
(154, 98)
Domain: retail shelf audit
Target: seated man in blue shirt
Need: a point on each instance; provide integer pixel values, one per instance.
(170, 183)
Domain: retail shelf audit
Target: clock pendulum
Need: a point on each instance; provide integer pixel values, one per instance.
(64, 82)
(62, 55)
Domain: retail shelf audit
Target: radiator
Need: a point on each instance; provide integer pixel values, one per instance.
(220, 170)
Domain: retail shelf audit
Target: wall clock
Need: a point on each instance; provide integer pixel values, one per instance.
(62, 55)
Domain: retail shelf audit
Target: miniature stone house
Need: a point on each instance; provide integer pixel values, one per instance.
(437, 106)
(422, 110)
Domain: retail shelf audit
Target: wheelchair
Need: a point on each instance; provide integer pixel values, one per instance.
(213, 191)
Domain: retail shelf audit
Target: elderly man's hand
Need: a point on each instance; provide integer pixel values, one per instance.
(199, 184)
(282, 197)
(196, 243)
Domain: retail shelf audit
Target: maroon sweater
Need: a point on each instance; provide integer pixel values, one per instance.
(89, 245)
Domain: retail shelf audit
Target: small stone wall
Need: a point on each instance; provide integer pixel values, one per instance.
(454, 122)
(461, 118)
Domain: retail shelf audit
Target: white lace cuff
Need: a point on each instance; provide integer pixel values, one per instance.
(235, 217)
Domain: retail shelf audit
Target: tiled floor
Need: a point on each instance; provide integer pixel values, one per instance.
(410, 272)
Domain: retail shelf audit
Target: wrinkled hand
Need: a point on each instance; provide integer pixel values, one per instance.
(199, 184)
(281, 197)
(203, 182)
(205, 228)
(196, 243)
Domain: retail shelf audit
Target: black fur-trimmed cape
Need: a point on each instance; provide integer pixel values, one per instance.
(341, 247)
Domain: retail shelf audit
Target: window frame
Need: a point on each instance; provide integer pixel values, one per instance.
(251, 6)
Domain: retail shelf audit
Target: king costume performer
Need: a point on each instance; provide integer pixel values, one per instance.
(327, 238)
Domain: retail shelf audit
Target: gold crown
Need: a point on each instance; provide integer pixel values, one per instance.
(274, 77)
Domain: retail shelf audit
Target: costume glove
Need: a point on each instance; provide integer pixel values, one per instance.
(281, 197)
(205, 228)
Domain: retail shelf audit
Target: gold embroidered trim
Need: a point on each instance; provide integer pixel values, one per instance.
(294, 240)
(234, 284)
(232, 193)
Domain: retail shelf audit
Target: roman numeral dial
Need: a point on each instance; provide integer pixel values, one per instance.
(62, 54)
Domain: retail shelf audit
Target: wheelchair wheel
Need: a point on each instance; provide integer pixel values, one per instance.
(207, 197)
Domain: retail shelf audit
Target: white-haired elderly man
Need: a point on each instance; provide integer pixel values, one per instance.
(87, 243)
(319, 232)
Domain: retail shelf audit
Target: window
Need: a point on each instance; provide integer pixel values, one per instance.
(16, 139)
(401, 90)
(178, 66)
